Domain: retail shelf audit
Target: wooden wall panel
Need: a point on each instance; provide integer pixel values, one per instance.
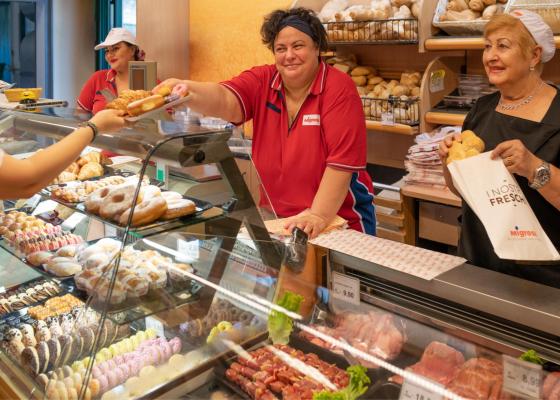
(162, 31)
(225, 37)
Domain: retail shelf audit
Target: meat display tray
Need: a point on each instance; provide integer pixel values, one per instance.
(377, 377)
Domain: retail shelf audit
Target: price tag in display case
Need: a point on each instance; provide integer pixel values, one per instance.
(387, 118)
(73, 220)
(437, 83)
(345, 288)
(189, 251)
(156, 325)
(410, 391)
(522, 377)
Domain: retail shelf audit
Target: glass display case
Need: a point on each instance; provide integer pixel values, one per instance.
(101, 301)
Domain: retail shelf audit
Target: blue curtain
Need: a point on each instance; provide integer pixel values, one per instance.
(108, 14)
(5, 58)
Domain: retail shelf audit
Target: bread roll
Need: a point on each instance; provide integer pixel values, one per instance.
(144, 105)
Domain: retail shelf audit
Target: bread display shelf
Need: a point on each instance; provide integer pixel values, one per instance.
(385, 31)
(443, 118)
(399, 129)
(443, 196)
(462, 43)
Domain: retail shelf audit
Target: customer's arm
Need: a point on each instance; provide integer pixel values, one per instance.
(208, 98)
(23, 178)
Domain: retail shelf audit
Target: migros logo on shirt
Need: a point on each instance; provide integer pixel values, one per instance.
(311, 119)
(522, 233)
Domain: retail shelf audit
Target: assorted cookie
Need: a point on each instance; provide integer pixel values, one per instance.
(26, 295)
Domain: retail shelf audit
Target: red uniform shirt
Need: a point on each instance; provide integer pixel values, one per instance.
(90, 98)
(329, 130)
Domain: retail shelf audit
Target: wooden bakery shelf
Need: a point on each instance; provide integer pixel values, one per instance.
(443, 118)
(400, 129)
(442, 196)
(462, 43)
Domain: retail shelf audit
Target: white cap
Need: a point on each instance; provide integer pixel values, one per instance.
(117, 35)
(540, 31)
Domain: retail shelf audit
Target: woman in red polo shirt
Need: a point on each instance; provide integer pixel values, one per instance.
(120, 48)
(309, 134)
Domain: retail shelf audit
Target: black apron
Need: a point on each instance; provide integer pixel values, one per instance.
(543, 140)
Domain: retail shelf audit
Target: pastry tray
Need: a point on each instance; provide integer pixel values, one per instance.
(109, 172)
(377, 377)
(153, 113)
(200, 205)
(131, 309)
(30, 284)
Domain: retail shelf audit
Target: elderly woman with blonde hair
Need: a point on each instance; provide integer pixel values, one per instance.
(521, 125)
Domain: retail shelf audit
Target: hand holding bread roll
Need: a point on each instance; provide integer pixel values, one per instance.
(470, 145)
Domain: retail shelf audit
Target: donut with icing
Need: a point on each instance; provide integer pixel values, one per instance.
(118, 201)
(178, 208)
(145, 212)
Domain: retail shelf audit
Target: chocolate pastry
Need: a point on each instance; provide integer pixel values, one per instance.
(28, 335)
(44, 356)
(66, 344)
(87, 338)
(30, 360)
(54, 351)
(42, 333)
(13, 334)
(77, 347)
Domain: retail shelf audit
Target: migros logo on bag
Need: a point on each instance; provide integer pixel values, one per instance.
(522, 233)
(505, 194)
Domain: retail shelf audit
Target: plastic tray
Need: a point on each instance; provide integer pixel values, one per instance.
(300, 344)
(154, 112)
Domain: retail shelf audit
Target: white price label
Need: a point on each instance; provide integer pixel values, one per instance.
(410, 391)
(346, 288)
(387, 118)
(522, 377)
(42, 207)
(156, 325)
(33, 201)
(189, 251)
(73, 220)
(110, 231)
(437, 81)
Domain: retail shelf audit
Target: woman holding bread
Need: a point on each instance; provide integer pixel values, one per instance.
(120, 48)
(309, 140)
(521, 125)
(24, 178)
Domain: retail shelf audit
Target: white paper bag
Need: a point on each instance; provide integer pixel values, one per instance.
(498, 201)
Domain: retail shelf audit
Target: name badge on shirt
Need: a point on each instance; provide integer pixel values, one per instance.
(311, 119)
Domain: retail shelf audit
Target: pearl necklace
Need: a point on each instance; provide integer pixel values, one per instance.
(522, 102)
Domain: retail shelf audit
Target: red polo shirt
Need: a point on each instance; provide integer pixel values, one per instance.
(329, 130)
(90, 98)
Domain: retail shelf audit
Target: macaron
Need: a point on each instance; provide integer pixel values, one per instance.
(44, 356)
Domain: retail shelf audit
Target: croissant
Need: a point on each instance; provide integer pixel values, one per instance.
(93, 156)
(90, 170)
(65, 176)
(73, 168)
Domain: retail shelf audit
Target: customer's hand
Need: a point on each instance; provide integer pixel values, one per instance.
(307, 221)
(517, 158)
(445, 145)
(177, 86)
(109, 120)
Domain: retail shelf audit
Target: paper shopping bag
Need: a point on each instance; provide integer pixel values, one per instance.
(498, 201)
